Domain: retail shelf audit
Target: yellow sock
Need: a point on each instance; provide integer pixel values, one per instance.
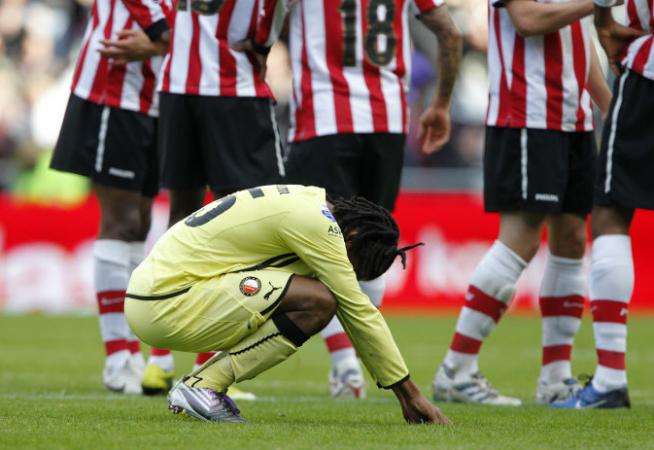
(258, 352)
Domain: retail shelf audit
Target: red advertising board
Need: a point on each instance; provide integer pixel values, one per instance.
(46, 258)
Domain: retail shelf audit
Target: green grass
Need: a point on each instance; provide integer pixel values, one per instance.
(51, 397)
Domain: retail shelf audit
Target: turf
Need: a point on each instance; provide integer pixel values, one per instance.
(51, 397)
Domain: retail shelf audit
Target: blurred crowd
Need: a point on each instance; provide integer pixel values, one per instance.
(39, 42)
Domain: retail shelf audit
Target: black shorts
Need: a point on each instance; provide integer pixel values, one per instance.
(368, 165)
(626, 162)
(227, 143)
(541, 171)
(113, 147)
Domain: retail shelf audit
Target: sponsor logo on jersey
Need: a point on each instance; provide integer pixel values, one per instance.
(250, 286)
(327, 213)
(334, 231)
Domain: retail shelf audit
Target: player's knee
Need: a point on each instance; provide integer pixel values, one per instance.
(122, 224)
(570, 243)
(609, 220)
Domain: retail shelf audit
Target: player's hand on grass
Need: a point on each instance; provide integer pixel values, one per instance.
(248, 46)
(415, 407)
(434, 129)
(132, 45)
(613, 38)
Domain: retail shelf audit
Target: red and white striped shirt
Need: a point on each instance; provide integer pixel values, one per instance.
(200, 60)
(351, 61)
(639, 56)
(538, 81)
(129, 86)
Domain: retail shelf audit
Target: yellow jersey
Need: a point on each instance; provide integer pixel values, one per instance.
(273, 226)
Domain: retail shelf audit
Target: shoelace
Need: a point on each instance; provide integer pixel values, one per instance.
(483, 381)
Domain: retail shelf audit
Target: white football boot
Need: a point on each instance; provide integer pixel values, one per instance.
(346, 380)
(472, 389)
(122, 377)
(559, 391)
(203, 404)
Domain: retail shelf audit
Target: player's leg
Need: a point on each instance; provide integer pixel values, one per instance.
(563, 286)
(561, 304)
(110, 146)
(491, 290)
(624, 183)
(335, 163)
(304, 308)
(516, 169)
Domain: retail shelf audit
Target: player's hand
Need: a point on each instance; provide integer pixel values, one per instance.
(247, 46)
(434, 129)
(415, 407)
(131, 45)
(613, 38)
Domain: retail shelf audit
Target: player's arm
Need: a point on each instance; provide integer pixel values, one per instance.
(612, 36)
(435, 120)
(270, 22)
(531, 18)
(136, 44)
(308, 236)
(597, 86)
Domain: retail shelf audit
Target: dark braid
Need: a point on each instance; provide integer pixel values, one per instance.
(373, 235)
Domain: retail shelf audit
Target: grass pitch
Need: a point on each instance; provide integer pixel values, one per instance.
(51, 396)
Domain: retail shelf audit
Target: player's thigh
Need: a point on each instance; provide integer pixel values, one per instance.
(331, 162)
(240, 143)
(213, 314)
(381, 170)
(524, 170)
(626, 160)
(180, 158)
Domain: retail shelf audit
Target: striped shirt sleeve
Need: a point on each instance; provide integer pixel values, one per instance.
(150, 16)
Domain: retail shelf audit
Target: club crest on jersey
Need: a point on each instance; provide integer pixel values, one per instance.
(327, 213)
(250, 286)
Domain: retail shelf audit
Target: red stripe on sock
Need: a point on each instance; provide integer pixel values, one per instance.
(337, 342)
(484, 303)
(117, 345)
(134, 346)
(613, 360)
(110, 301)
(464, 344)
(159, 351)
(203, 357)
(609, 311)
(568, 305)
(553, 353)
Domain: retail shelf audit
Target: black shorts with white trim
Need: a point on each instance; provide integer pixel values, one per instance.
(626, 162)
(226, 143)
(543, 171)
(111, 146)
(364, 164)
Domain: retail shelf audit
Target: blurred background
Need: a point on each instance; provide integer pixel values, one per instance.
(48, 220)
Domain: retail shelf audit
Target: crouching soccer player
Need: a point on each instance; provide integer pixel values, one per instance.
(254, 275)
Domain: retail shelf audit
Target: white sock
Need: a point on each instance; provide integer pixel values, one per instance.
(491, 289)
(111, 258)
(136, 255)
(162, 358)
(611, 286)
(561, 305)
(337, 342)
(374, 289)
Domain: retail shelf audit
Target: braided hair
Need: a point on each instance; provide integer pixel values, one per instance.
(373, 236)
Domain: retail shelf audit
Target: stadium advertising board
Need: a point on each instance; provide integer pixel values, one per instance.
(46, 259)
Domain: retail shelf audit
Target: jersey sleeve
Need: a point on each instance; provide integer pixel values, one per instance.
(316, 239)
(150, 16)
(270, 21)
(424, 6)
